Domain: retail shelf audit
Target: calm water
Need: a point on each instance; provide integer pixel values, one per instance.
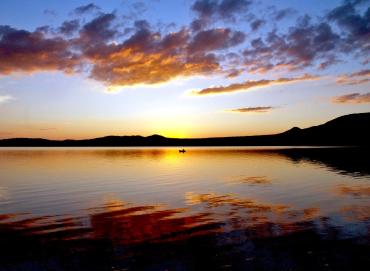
(206, 209)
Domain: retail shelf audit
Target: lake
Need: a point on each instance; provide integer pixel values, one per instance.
(223, 208)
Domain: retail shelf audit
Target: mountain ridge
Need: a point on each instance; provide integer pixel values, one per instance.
(347, 130)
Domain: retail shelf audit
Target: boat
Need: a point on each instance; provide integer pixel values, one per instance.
(183, 150)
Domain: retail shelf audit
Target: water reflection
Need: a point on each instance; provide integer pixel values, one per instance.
(152, 209)
(228, 233)
(354, 190)
(352, 161)
(251, 180)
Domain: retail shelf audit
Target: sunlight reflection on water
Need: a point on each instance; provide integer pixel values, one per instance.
(209, 208)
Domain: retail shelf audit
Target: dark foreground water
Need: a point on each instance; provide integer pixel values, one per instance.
(206, 209)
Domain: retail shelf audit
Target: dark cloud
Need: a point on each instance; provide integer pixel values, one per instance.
(99, 29)
(228, 8)
(142, 24)
(44, 29)
(244, 86)
(69, 27)
(304, 45)
(256, 24)
(5, 29)
(86, 9)
(353, 98)
(283, 13)
(258, 109)
(356, 26)
(215, 39)
(313, 44)
(206, 8)
(211, 11)
(25, 51)
(220, 9)
(198, 24)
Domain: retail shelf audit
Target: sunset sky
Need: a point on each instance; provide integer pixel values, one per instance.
(180, 68)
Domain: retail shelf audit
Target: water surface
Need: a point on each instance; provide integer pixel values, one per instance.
(207, 209)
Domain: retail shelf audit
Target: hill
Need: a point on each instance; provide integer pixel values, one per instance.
(348, 130)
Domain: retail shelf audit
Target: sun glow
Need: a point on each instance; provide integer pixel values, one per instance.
(174, 132)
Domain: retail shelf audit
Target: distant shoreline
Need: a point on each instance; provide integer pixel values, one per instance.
(348, 130)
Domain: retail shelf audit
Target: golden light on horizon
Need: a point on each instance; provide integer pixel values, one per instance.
(174, 133)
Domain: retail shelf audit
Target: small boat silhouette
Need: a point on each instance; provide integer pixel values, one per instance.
(183, 150)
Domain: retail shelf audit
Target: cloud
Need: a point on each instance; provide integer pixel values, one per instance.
(98, 30)
(356, 26)
(48, 129)
(210, 11)
(225, 9)
(258, 109)
(140, 53)
(361, 73)
(283, 13)
(353, 98)
(69, 27)
(24, 51)
(215, 39)
(145, 57)
(148, 58)
(256, 24)
(86, 9)
(5, 98)
(310, 43)
(355, 78)
(244, 86)
(305, 45)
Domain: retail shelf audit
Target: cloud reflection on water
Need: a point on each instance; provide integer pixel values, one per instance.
(215, 229)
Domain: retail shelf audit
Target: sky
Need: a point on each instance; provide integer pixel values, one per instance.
(180, 68)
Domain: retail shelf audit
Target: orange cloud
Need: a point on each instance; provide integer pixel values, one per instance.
(146, 57)
(356, 78)
(253, 84)
(258, 109)
(142, 54)
(353, 98)
(129, 67)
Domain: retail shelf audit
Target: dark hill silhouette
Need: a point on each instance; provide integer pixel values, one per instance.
(351, 129)
(352, 161)
(348, 130)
